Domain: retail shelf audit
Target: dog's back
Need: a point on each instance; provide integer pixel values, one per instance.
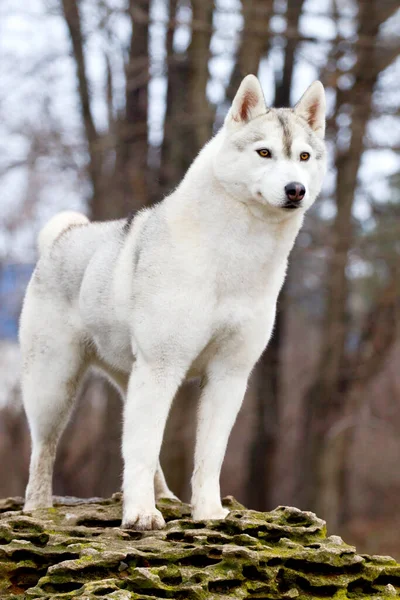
(66, 248)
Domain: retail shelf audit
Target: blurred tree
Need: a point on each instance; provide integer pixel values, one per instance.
(132, 165)
(254, 41)
(189, 116)
(200, 49)
(326, 399)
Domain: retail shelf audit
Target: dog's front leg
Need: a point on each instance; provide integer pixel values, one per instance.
(149, 397)
(219, 405)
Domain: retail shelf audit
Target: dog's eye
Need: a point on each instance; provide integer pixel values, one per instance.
(304, 156)
(264, 153)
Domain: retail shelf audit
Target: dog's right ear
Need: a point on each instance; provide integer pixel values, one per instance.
(248, 103)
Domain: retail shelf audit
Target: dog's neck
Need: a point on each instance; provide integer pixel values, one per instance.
(201, 197)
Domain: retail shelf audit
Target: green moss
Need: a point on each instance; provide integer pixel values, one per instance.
(77, 550)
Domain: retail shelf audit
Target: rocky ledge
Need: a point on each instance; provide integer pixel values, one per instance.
(78, 550)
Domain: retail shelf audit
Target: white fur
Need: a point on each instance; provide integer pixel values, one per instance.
(56, 226)
(188, 289)
(312, 108)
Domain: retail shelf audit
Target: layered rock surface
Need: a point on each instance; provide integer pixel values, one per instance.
(78, 550)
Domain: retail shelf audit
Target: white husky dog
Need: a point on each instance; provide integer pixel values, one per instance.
(187, 288)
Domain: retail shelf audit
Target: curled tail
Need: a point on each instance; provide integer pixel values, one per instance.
(56, 226)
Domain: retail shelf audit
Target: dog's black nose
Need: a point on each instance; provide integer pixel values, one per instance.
(295, 192)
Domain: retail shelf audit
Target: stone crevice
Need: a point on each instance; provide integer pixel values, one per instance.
(79, 550)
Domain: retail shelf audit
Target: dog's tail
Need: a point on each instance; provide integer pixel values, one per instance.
(56, 226)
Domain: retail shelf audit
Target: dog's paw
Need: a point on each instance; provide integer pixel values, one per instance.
(205, 513)
(143, 520)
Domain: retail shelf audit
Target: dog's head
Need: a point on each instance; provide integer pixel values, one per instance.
(274, 157)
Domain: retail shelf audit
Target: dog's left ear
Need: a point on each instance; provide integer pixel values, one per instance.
(312, 107)
(248, 103)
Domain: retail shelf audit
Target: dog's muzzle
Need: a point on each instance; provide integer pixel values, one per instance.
(295, 193)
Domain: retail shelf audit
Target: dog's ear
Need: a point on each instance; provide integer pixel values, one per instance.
(312, 107)
(248, 103)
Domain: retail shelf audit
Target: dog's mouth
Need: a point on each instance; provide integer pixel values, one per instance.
(292, 205)
(288, 205)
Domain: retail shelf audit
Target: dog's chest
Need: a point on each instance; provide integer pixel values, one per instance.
(248, 273)
(247, 285)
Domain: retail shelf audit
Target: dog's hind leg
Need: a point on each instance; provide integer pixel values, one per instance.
(53, 366)
(161, 488)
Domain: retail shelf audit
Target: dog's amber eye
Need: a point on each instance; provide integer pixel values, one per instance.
(304, 156)
(264, 153)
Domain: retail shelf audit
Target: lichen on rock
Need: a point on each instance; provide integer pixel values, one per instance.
(79, 550)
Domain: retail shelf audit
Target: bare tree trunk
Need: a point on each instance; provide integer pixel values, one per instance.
(198, 55)
(171, 153)
(189, 117)
(293, 13)
(73, 22)
(378, 339)
(254, 41)
(110, 473)
(325, 400)
(14, 450)
(260, 482)
(381, 329)
(132, 172)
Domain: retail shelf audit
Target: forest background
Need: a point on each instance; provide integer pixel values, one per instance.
(103, 106)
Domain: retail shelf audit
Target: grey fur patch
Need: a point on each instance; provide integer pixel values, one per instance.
(139, 245)
(287, 134)
(65, 231)
(128, 222)
(136, 257)
(252, 137)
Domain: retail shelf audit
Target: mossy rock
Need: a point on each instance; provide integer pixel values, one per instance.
(79, 550)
